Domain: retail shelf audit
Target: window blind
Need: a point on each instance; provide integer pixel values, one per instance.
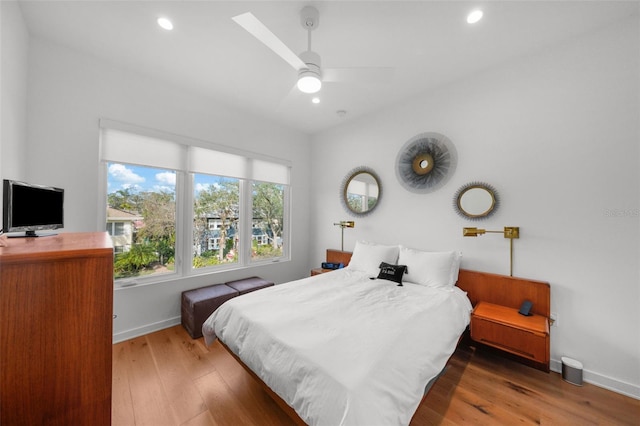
(127, 147)
(202, 160)
(270, 172)
(118, 146)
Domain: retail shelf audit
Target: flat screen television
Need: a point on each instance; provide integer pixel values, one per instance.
(29, 208)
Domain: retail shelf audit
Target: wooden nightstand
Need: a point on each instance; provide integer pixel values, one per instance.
(333, 256)
(504, 328)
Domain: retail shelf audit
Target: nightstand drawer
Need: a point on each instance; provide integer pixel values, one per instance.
(528, 344)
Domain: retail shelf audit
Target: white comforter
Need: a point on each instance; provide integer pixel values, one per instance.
(342, 349)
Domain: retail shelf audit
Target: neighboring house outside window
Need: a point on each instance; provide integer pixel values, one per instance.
(121, 226)
(260, 236)
(212, 236)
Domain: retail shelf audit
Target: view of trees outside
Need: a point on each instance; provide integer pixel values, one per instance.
(216, 231)
(143, 246)
(216, 212)
(141, 218)
(360, 203)
(268, 220)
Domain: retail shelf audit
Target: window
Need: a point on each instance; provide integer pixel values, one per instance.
(216, 215)
(268, 220)
(141, 205)
(116, 228)
(176, 206)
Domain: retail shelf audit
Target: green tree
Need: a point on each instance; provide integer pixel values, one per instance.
(268, 208)
(159, 211)
(139, 256)
(221, 201)
(124, 199)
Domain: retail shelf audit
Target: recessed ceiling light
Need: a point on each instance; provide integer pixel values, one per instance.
(165, 23)
(315, 100)
(474, 16)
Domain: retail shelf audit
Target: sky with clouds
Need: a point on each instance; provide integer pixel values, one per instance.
(145, 179)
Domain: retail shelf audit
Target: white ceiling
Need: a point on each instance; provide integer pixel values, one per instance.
(427, 43)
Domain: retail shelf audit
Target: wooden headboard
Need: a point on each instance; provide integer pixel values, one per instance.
(338, 256)
(505, 290)
(493, 288)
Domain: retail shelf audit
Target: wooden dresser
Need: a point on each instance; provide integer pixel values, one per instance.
(56, 319)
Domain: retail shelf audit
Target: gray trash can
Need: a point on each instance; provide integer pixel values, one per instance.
(572, 371)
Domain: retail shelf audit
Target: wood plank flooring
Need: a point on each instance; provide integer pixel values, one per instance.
(168, 379)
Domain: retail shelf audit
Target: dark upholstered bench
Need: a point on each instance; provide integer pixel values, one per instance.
(249, 284)
(200, 303)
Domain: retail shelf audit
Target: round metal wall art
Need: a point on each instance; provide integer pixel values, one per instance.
(426, 162)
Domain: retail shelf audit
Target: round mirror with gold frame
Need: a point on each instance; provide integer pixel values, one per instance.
(360, 191)
(476, 200)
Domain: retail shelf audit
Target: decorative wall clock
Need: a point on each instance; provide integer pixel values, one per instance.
(426, 162)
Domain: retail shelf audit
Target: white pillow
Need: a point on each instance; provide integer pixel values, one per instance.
(430, 268)
(368, 256)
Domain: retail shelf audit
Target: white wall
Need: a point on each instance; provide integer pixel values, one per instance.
(69, 92)
(13, 91)
(557, 134)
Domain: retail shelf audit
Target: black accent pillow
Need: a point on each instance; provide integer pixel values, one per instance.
(392, 272)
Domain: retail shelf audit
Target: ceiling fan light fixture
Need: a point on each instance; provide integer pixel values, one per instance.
(310, 78)
(309, 81)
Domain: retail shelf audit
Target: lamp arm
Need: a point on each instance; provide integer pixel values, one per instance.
(344, 224)
(510, 257)
(509, 232)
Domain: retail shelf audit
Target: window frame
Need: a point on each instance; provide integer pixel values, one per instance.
(184, 199)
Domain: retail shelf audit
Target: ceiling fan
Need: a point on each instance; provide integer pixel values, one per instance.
(308, 63)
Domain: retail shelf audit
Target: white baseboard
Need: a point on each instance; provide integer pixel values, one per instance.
(149, 328)
(614, 385)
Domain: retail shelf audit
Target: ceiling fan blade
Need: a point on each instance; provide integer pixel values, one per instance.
(257, 29)
(360, 75)
(292, 98)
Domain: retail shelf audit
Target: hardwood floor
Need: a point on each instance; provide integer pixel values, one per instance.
(167, 378)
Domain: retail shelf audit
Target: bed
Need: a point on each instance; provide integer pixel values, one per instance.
(353, 346)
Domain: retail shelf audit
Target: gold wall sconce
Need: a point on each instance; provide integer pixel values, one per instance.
(344, 224)
(510, 232)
